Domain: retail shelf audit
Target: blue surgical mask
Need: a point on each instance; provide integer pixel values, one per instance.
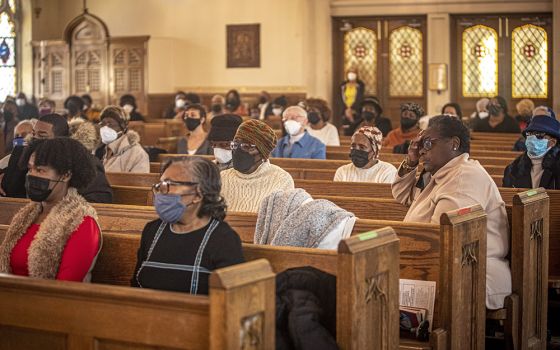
(169, 207)
(536, 148)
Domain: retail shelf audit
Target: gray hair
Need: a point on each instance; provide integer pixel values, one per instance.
(295, 109)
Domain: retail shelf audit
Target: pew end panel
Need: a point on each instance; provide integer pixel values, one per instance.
(462, 287)
(529, 257)
(368, 291)
(242, 315)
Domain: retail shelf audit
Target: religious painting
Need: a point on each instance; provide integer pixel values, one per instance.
(243, 46)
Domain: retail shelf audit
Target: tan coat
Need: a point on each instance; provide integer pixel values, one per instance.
(126, 155)
(460, 183)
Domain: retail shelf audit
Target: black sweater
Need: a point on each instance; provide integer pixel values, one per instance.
(222, 249)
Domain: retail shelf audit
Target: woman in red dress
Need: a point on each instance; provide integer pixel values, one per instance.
(56, 235)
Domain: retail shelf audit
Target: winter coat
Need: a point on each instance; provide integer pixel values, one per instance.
(126, 155)
(518, 173)
(305, 309)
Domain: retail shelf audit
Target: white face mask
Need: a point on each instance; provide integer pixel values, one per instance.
(128, 108)
(85, 107)
(20, 102)
(277, 111)
(223, 156)
(292, 127)
(483, 115)
(352, 76)
(108, 135)
(180, 103)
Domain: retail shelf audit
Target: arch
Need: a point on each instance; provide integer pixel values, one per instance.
(9, 48)
(86, 28)
(406, 70)
(360, 52)
(480, 61)
(529, 58)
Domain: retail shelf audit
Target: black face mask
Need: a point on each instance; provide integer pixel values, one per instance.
(494, 109)
(407, 123)
(313, 117)
(368, 116)
(217, 108)
(38, 188)
(242, 161)
(359, 158)
(262, 100)
(192, 123)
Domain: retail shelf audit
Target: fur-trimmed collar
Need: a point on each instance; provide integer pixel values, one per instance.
(46, 249)
(84, 132)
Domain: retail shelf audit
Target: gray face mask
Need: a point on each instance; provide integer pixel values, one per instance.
(169, 207)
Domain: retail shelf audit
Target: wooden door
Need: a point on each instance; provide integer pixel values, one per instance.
(390, 56)
(51, 71)
(128, 69)
(506, 55)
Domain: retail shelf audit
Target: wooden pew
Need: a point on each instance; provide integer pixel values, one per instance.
(46, 314)
(422, 254)
(367, 286)
(475, 152)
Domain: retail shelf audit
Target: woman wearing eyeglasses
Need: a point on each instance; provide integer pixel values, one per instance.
(253, 177)
(449, 181)
(539, 166)
(179, 251)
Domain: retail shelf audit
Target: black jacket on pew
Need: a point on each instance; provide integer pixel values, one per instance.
(305, 309)
(518, 173)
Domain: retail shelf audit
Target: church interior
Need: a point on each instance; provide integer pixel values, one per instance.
(288, 174)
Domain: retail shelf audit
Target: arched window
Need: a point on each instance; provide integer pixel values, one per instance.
(8, 48)
(360, 52)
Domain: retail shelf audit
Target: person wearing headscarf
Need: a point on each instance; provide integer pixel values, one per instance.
(409, 129)
(539, 166)
(498, 119)
(365, 166)
(372, 115)
(221, 135)
(252, 177)
(123, 152)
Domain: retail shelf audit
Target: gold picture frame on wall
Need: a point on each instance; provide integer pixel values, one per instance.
(243, 46)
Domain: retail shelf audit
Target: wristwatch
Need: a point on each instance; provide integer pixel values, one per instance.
(407, 167)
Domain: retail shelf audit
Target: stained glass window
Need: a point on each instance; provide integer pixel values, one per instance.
(8, 72)
(480, 62)
(529, 57)
(360, 52)
(406, 74)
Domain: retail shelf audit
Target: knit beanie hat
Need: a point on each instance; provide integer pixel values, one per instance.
(116, 113)
(414, 108)
(224, 127)
(259, 134)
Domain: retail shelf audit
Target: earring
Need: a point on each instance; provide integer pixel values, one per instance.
(454, 148)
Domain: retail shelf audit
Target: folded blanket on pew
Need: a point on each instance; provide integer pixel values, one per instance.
(293, 218)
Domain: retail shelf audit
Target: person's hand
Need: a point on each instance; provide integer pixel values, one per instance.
(349, 114)
(413, 156)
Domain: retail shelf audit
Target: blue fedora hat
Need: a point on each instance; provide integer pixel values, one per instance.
(544, 123)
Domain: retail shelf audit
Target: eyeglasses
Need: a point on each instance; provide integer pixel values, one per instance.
(162, 187)
(539, 135)
(247, 147)
(428, 143)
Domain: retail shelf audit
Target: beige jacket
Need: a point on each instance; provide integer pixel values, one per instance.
(460, 183)
(126, 155)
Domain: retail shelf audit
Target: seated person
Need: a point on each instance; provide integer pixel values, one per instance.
(22, 134)
(372, 115)
(519, 145)
(252, 177)
(217, 107)
(220, 136)
(234, 105)
(298, 143)
(56, 236)
(365, 166)
(190, 234)
(539, 166)
(46, 106)
(196, 141)
(92, 113)
(74, 106)
(524, 109)
(47, 127)
(293, 218)
(498, 119)
(123, 152)
(454, 181)
(318, 115)
(128, 103)
(182, 100)
(351, 95)
(409, 129)
(452, 108)
(26, 110)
